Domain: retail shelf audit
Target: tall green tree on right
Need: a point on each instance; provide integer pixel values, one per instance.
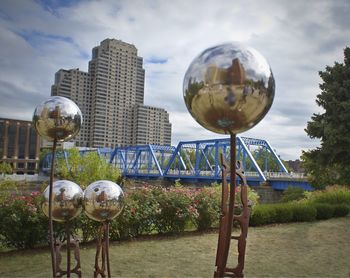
(330, 163)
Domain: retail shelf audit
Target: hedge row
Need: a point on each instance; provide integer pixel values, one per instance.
(151, 210)
(296, 212)
(147, 210)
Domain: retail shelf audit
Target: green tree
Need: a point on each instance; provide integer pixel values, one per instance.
(329, 163)
(5, 168)
(263, 156)
(86, 169)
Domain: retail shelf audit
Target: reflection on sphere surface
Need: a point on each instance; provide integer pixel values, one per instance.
(66, 200)
(229, 88)
(57, 118)
(103, 200)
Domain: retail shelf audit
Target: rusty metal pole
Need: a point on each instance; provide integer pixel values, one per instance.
(227, 210)
(107, 248)
(228, 217)
(68, 249)
(52, 244)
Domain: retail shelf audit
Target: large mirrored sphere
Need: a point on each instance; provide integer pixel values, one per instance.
(57, 118)
(67, 199)
(103, 200)
(229, 88)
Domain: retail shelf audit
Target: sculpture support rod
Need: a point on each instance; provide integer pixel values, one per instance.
(107, 248)
(227, 210)
(68, 249)
(52, 244)
(231, 195)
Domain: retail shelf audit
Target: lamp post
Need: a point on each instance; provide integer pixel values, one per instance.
(228, 89)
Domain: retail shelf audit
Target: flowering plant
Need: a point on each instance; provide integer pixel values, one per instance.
(22, 225)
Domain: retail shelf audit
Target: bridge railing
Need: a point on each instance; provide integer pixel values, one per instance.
(280, 175)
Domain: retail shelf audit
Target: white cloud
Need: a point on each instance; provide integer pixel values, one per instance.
(298, 39)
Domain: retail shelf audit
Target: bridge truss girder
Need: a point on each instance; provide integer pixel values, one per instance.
(194, 160)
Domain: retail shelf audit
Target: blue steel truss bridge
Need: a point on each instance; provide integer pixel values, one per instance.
(199, 161)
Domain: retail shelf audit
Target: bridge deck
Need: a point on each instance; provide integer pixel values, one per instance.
(199, 161)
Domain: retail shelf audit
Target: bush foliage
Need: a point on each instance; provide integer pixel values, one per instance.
(22, 225)
(292, 193)
(152, 210)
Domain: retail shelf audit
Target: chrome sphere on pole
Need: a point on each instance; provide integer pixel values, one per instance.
(57, 118)
(229, 88)
(67, 199)
(103, 200)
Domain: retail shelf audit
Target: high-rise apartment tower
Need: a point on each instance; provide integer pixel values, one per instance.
(111, 96)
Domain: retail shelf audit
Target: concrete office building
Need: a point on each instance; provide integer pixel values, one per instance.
(151, 126)
(108, 95)
(19, 146)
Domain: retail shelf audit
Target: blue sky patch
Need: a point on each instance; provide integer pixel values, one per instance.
(35, 38)
(53, 5)
(156, 60)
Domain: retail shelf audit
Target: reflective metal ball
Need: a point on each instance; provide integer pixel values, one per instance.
(229, 88)
(103, 200)
(66, 200)
(57, 118)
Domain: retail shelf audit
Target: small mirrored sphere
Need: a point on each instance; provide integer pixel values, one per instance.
(67, 199)
(229, 88)
(103, 200)
(57, 118)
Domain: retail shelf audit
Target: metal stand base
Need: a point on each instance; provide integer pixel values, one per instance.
(227, 217)
(102, 250)
(70, 240)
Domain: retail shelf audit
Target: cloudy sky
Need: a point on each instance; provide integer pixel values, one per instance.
(298, 38)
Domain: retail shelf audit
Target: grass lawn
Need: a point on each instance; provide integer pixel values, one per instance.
(317, 249)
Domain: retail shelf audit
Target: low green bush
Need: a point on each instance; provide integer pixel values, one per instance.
(174, 210)
(341, 210)
(139, 213)
(283, 213)
(207, 204)
(331, 195)
(292, 193)
(262, 215)
(303, 211)
(324, 211)
(150, 210)
(22, 224)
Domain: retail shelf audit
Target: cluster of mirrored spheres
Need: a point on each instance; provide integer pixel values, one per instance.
(102, 200)
(59, 118)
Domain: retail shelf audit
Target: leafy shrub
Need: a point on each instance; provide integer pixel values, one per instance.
(303, 211)
(174, 211)
(341, 210)
(5, 168)
(283, 213)
(147, 210)
(292, 193)
(85, 169)
(22, 225)
(138, 215)
(253, 197)
(88, 227)
(324, 211)
(331, 195)
(262, 215)
(207, 204)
